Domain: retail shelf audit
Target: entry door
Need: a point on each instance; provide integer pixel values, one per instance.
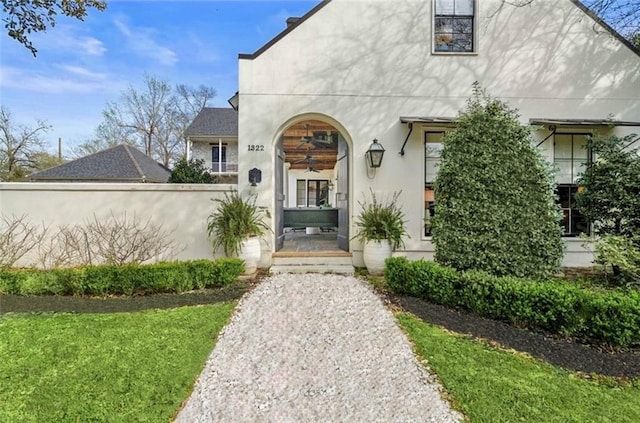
(342, 194)
(279, 188)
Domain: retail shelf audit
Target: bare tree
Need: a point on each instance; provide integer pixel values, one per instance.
(17, 237)
(22, 17)
(155, 117)
(115, 239)
(123, 239)
(621, 15)
(19, 146)
(108, 134)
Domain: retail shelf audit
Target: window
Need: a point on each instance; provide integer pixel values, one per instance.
(219, 158)
(453, 26)
(432, 150)
(570, 155)
(312, 192)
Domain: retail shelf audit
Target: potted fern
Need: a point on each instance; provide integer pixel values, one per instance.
(236, 226)
(381, 227)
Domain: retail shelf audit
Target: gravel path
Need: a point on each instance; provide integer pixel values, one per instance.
(314, 348)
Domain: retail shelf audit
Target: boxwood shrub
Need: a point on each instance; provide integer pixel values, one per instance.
(122, 280)
(606, 317)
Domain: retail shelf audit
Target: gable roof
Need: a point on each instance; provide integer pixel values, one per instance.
(121, 163)
(294, 24)
(606, 26)
(214, 121)
(323, 3)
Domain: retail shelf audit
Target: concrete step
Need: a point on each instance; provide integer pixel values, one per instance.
(312, 262)
(340, 269)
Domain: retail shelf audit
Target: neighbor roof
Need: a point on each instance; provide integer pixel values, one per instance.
(214, 121)
(121, 163)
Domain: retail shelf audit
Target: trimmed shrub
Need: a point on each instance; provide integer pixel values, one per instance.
(611, 317)
(495, 203)
(122, 280)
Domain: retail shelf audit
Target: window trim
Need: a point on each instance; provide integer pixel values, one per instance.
(474, 34)
(590, 156)
(423, 182)
(306, 181)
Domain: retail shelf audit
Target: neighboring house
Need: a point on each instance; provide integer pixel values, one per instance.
(213, 137)
(121, 163)
(399, 71)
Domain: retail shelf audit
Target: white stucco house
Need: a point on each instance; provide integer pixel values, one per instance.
(313, 99)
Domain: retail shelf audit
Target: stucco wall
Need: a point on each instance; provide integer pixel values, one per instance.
(360, 65)
(182, 208)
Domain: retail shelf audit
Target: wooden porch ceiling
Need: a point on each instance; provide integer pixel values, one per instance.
(315, 155)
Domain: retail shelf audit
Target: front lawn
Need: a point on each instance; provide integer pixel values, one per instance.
(491, 385)
(121, 367)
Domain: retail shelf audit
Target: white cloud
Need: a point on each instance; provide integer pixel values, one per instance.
(72, 80)
(68, 39)
(83, 72)
(141, 41)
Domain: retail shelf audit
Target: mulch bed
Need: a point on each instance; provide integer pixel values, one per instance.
(552, 349)
(64, 304)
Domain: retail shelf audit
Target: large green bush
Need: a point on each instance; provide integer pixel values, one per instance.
(611, 317)
(122, 280)
(495, 204)
(191, 171)
(610, 200)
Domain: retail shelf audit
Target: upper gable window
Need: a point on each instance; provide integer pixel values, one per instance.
(453, 26)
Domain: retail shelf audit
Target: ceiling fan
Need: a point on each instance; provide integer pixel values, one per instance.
(309, 160)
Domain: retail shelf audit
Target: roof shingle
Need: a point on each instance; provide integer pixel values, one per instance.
(214, 121)
(121, 163)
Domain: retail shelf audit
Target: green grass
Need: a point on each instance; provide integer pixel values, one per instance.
(492, 385)
(121, 367)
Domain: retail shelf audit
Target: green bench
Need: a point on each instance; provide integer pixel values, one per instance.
(310, 218)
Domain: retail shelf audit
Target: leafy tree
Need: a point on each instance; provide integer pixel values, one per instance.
(154, 118)
(190, 172)
(20, 146)
(610, 197)
(44, 160)
(610, 200)
(22, 17)
(495, 206)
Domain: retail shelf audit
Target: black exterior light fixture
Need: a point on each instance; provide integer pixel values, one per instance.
(374, 154)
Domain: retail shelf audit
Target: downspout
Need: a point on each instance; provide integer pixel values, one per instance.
(406, 139)
(188, 148)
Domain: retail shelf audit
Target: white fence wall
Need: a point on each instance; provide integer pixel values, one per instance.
(181, 208)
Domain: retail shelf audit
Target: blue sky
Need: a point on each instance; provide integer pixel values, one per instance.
(82, 65)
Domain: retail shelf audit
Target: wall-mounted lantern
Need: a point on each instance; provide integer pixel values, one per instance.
(374, 154)
(234, 101)
(255, 176)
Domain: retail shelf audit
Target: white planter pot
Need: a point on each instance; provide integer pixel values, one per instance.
(250, 252)
(374, 255)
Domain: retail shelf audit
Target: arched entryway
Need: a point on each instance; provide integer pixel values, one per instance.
(312, 187)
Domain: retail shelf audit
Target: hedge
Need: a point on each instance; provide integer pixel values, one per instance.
(609, 317)
(122, 280)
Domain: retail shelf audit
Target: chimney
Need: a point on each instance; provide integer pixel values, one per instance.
(292, 21)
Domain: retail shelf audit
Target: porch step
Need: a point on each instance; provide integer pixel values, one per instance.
(312, 262)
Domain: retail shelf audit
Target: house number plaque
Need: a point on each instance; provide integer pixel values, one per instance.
(256, 147)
